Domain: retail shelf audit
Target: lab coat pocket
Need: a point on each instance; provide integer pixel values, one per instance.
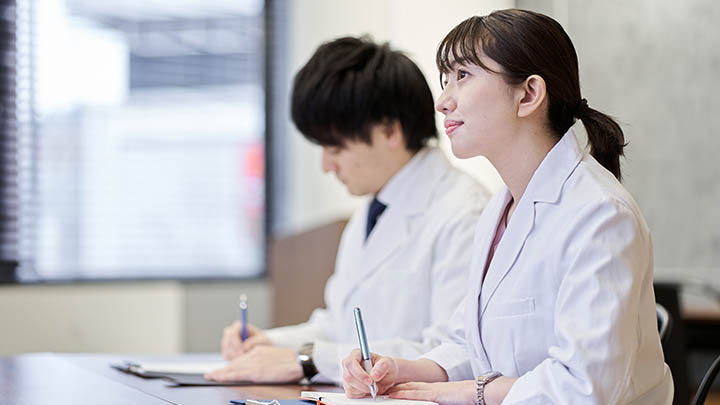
(515, 307)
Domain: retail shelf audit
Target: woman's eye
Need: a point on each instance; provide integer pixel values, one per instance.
(461, 74)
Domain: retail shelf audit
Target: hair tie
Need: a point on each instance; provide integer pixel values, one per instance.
(581, 109)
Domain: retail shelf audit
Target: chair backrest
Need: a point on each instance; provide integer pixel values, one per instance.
(300, 265)
(707, 382)
(674, 346)
(664, 321)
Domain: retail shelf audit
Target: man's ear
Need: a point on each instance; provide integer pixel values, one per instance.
(393, 131)
(531, 94)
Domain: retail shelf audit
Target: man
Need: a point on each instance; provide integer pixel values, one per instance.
(403, 258)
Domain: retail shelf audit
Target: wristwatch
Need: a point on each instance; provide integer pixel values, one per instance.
(306, 362)
(480, 383)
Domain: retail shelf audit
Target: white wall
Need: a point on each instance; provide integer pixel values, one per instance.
(415, 27)
(158, 317)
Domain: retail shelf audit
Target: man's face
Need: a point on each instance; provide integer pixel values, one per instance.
(362, 168)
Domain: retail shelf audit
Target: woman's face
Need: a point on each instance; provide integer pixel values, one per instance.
(479, 108)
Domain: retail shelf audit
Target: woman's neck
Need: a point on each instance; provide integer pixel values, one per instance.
(518, 162)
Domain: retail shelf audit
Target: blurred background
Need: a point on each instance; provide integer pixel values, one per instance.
(150, 171)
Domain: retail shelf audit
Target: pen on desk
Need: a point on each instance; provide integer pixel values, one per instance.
(242, 303)
(362, 337)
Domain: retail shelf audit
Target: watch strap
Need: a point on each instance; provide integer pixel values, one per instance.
(483, 380)
(306, 361)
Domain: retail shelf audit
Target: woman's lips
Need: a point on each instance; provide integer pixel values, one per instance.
(451, 126)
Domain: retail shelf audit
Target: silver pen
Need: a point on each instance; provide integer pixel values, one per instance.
(367, 361)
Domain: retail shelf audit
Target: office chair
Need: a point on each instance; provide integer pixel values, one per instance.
(665, 322)
(707, 382)
(673, 343)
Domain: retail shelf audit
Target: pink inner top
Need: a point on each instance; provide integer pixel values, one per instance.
(502, 225)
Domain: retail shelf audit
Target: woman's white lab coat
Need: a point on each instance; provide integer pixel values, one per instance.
(567, 304)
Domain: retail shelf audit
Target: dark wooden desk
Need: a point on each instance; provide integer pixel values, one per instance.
(88, 379)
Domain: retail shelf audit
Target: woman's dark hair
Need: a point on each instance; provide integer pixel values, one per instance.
(351, 84)
(526, 43)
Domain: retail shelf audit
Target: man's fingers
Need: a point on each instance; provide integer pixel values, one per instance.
(252, 330)
(249, 343)
(231, 342)
(227, 374)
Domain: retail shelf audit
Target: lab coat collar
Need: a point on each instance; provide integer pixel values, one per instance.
(407, 195)
(549, 178)
(409, 192)
(545, 186)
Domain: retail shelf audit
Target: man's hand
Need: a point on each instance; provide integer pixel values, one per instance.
(262, 364)
(232, 344)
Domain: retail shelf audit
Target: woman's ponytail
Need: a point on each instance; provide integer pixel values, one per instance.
(605, 137)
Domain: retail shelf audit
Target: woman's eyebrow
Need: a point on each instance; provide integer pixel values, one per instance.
(456, 64)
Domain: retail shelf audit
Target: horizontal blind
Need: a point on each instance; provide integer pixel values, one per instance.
(145, 139)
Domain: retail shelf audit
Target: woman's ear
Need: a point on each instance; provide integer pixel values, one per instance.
(531, 94)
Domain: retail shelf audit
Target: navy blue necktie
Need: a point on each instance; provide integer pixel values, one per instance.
(375, 210)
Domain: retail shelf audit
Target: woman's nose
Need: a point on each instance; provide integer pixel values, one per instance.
(445, 103)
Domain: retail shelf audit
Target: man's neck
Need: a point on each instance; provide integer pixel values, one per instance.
(399, 160)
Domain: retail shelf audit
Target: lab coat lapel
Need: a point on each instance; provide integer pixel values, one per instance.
(545, 187)
(512, 242)
(481, 246)
(389, 234)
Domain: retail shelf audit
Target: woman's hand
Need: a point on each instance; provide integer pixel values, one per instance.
(232, 344)
(445, 393)
(454, 393)
(357, 382)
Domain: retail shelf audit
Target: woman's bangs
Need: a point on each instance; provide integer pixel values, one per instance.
(463, 45)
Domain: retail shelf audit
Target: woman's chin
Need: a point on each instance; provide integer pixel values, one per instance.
(460, 152)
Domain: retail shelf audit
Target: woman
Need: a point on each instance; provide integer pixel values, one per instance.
(560, 306)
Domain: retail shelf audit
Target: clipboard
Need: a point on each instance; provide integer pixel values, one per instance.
(172, 379)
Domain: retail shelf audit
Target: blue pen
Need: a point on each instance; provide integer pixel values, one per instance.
(242, 303)
(362, 337)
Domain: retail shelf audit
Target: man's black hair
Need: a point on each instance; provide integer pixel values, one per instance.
(351, 84)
